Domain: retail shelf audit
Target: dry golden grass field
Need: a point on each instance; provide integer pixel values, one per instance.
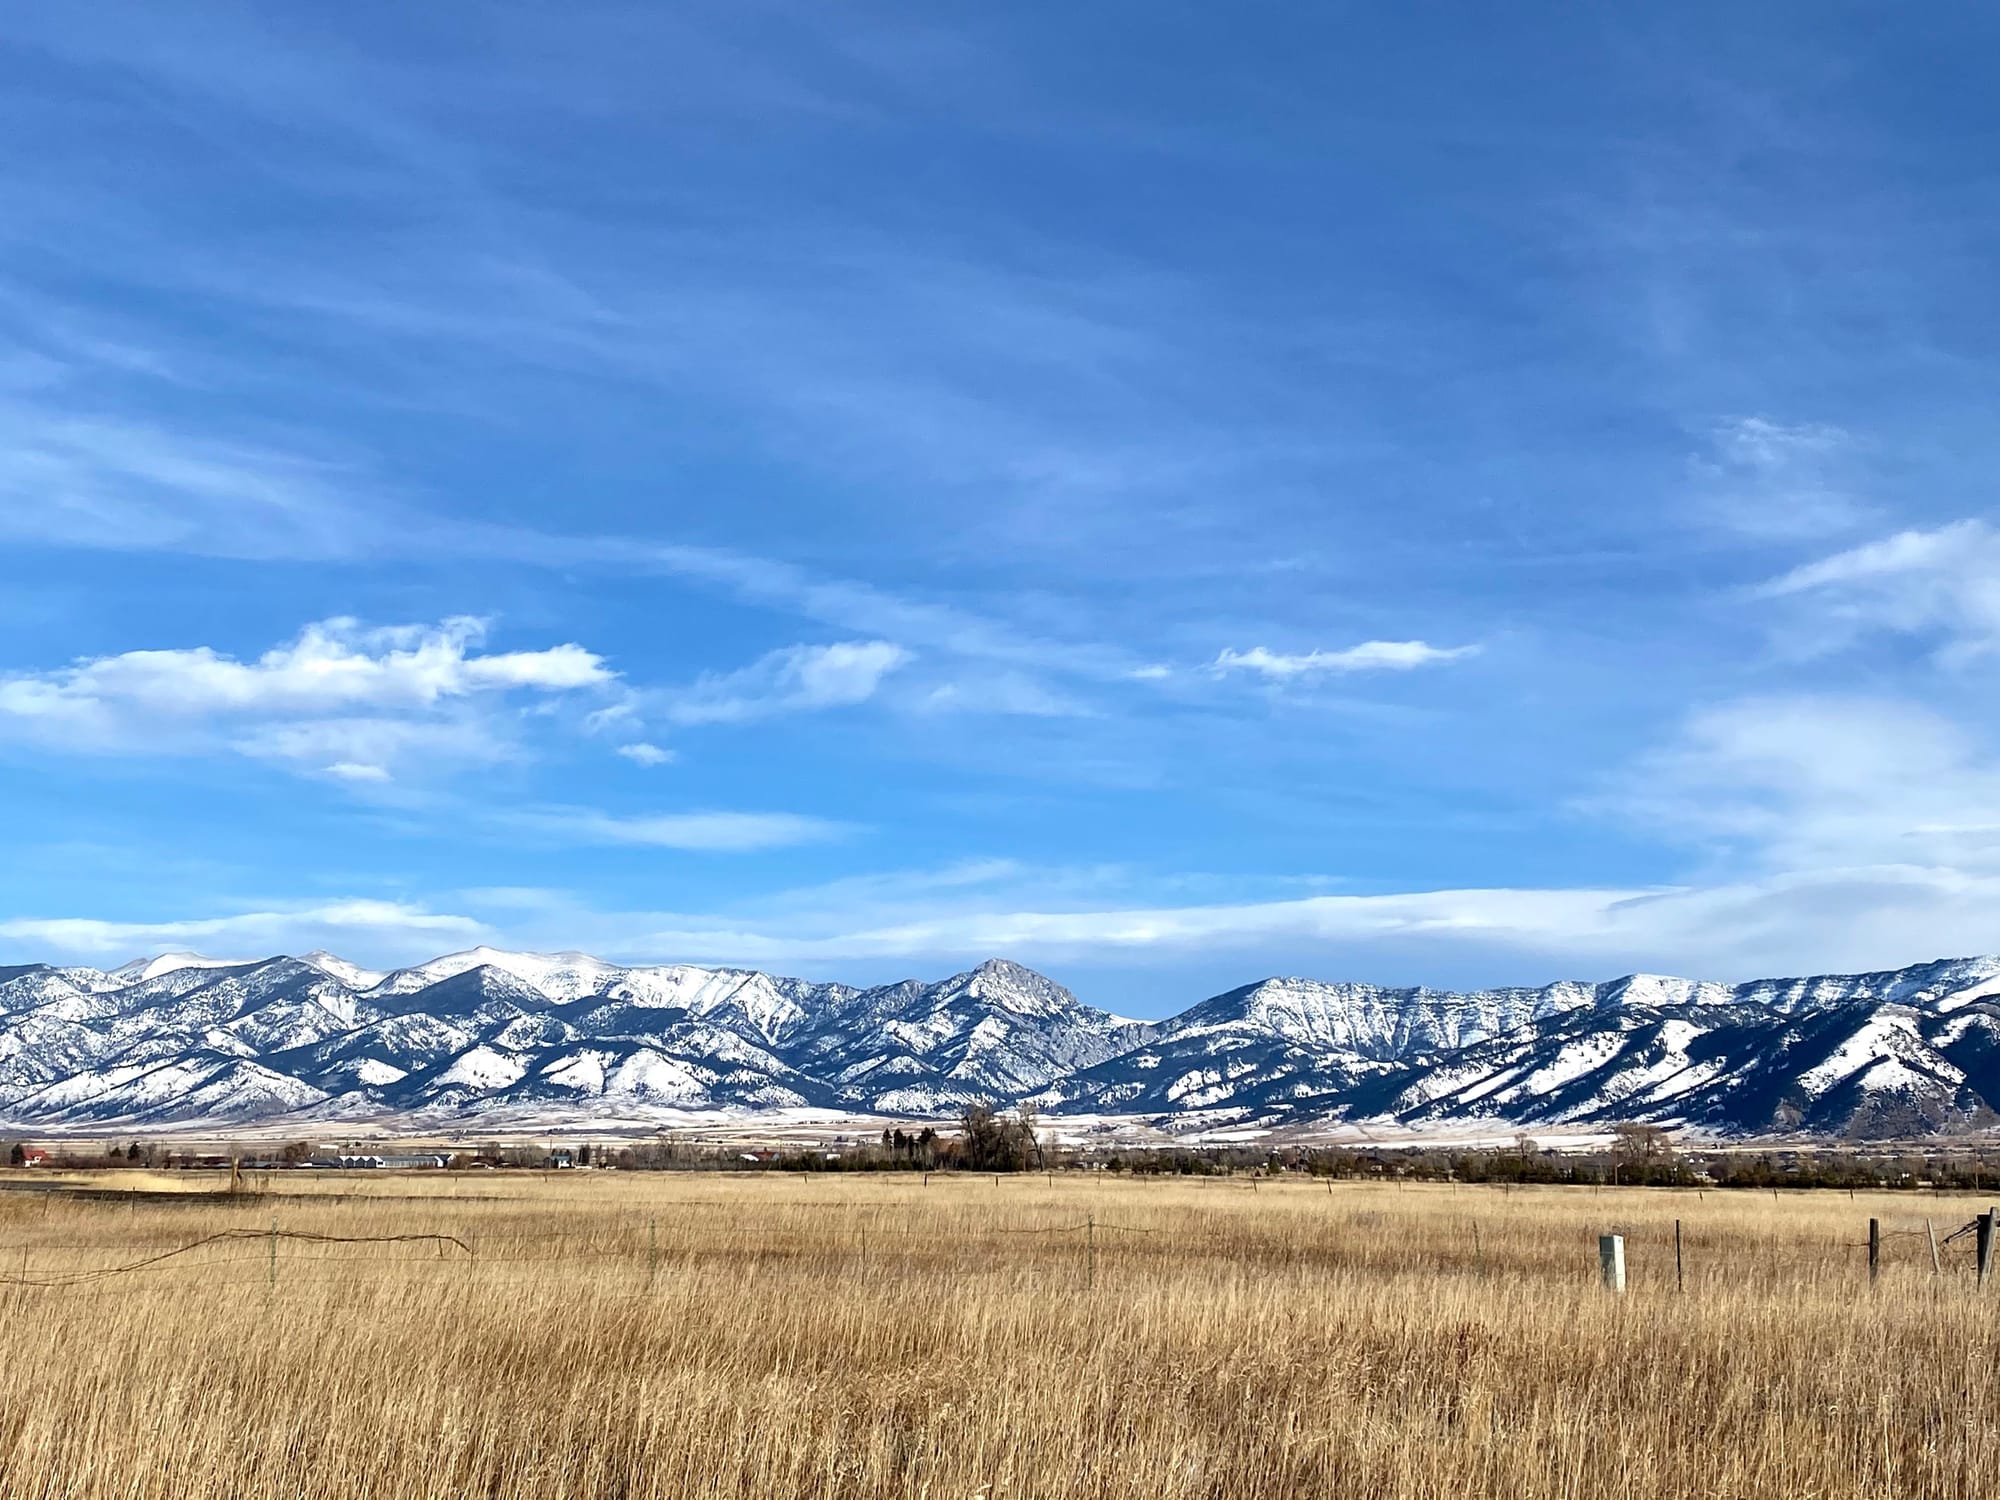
(686, 1334)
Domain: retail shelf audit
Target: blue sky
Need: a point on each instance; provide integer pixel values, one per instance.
(1169, 496)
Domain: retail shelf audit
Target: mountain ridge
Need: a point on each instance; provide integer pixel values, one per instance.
(180, 1039)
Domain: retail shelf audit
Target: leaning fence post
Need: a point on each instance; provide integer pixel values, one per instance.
(1611, 1261)
(1874, 1251)
(1937, 1266)
(1983, 1239)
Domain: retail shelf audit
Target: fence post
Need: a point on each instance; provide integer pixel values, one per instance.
(1680, 1285)
(1611, 1261)
(1937, 1266)
(1090, 1250)
(271, 1279)
(1874, 1251)
(1983, 1238)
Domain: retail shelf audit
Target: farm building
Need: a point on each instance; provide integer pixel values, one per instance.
(395, 1163)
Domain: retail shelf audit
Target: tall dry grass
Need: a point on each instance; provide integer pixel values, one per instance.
(666, 1335)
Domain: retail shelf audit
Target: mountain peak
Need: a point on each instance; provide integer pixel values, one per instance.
(534, 1036)
(1006, 968)
(142, 969)
(335, 967)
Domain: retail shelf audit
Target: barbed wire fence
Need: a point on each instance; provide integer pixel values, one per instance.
(522, 1246)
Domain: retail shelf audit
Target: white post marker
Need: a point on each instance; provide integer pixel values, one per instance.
(1611, 1261)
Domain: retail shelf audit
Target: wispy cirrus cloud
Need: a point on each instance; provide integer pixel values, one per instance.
(1942, 583)
(797, 679)
(645, 753)
(695, 832)
(1812, 782)
(1779, 481)
(72, 478)
(1369, 656)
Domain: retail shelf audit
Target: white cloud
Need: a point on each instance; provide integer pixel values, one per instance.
(1777, 481)
(1943, 583)
(369, 924)
(376, 745)
(354, 770)
(1840, 918)
(1812, 782)
(1369, 656)
(1846, 918)
(343, 700)
(795, 680)
(1004, 692)
(645, 754)
(720, 832)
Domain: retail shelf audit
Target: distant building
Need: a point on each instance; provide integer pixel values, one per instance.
(400, 1162)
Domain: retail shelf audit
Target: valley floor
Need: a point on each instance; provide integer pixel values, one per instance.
(591, 1334)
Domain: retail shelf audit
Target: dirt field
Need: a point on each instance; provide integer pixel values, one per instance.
(591, 1334)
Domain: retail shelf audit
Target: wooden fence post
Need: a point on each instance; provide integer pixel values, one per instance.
(1611, 1261)
(1937, 1265)
(1983, 1239)
(1090, 1250)
(1874, 1251)
(1680, 1285)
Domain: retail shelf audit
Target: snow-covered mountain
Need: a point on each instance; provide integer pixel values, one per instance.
(1902, 1052)
(501, 1038)
(182, 1039)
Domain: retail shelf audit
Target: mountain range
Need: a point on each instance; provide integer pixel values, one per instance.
(497, 1039)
